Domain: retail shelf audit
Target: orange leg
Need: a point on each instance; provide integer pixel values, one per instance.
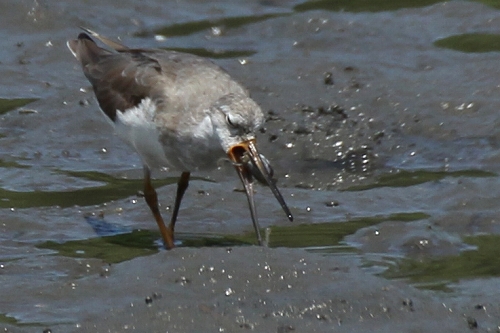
(182, 185)
(152, 200)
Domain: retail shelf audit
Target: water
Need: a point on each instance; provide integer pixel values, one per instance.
(410, 156)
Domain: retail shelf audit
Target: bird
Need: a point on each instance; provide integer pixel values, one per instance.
(177, 111)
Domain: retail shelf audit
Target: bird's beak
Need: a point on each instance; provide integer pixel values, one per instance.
(249, 164)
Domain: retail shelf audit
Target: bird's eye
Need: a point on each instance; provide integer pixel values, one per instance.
(231, 122)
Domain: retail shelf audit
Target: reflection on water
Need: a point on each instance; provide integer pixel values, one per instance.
(373, 5)
(330, 234)
(5, 319)
(481, 261)
(188, 28)
(214, 54)
(112, 188)
(115, 244)
(471, 43)
(492, 3)
(363, 5)
(111, 249)
(7, 105)
(405, 178)
(119, 245)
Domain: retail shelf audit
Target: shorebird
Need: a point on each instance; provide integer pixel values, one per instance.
(178, 111)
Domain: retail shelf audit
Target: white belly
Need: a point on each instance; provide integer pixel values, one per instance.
(189, 149)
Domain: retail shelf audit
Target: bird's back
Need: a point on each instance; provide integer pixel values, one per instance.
(178, 90)
(176, 81)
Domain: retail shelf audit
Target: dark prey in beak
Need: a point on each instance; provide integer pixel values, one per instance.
(249, 163)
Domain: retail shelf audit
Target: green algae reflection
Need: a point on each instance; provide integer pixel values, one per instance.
(214, 54)
(113, 188)
(471, 43)
(4, 319)
(437, 273)
(491, 3)
(7, 105)
(406, 178)
(12, 164)
(325, 234)
(9, 320)
(111, 249)
(374, 5)
(126, 246)
(363, 5)
(188, 28)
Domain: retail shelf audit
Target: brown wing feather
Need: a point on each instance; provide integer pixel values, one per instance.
(119, 79)
(174, 81)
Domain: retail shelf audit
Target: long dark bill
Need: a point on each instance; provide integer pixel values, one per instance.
(242, 154)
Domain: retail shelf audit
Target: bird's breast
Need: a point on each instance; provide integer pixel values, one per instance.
(182, 143)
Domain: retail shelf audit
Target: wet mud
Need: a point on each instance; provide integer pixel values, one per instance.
(381, 127)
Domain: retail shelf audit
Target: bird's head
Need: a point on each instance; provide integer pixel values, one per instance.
(235, 119)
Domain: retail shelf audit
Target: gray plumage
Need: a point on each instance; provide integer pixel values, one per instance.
(178, 111)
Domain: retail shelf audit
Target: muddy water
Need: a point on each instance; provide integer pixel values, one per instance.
(382, 127)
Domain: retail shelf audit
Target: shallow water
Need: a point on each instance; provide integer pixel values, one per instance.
(382, 128)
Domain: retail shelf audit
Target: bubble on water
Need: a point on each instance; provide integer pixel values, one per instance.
(160, 38)
(229, 292)
(216, 31)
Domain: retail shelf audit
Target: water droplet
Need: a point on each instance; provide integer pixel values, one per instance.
(160, 38)
(216, 31)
